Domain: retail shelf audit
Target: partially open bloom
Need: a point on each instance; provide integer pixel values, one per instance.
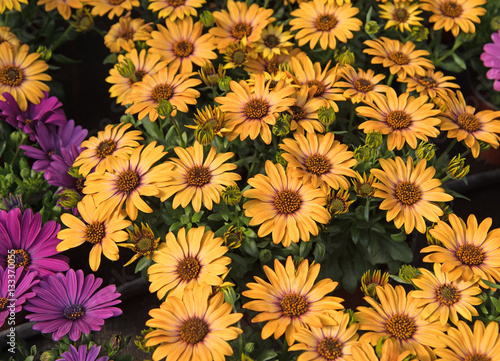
(491, 59)
(273, 41)
(432, 84)
(124, 34)
(81, 354)
(143, 242)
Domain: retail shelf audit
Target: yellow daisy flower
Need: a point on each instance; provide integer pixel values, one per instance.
(331, 343)
(182, 44)
(175, 9)
(6, 36)
(22, 74)
(63, 6)
(273, 41)
(401, 15)
(196, 326)
(143, 63)
(337, 202)
(320, 160)
(112, 7)
(361, 85)
(363, 185)
(99, 227)
(166, 84)
(291, 299)
(409, 193)
(131, 178)
(442, 299)
(398, 318)
(124, 34)
(197, 181)
(305, 111)
(432, 84)
(250, 111)
(236, 55)
(110, 145)
(479, 344)
(272, 65)
(467, 249)
(462, 122)
(285, 206)
(239, 23)
(401, 58)
(189, 260)
(11, 4)
(324, 22)
(455, 15)
(363, 351)
(404, 119)
(211, 118)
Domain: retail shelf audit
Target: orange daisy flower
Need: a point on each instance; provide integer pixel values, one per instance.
(273, 41)
(63, 6)
(305, 111)
(112, 7)
(361, 85)
(175, 9)
(124, 34)
(401, 15)
(272, 65)
(11, 4)
(432, 84)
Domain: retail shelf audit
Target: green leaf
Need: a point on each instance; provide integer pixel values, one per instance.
(399, 237)
(354, 233)
(250, 247)
(460, 62)
(124, 358)
(305, 248)
(451, 66)
(143, 263)
(151, 128)
(62, 59)
(400, 251)
(266, 355)
(496, 303)
(319, 251)
(175, 226)
(215, 217)
(185, 219)
(111, 59)
(490, 284)
(197, 216)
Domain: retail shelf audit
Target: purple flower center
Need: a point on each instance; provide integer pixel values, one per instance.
(3, 304)
(74, 312)
(21, 258)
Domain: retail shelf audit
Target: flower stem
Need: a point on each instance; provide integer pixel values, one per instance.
(177, 129)
(391, 78)
(445, 153)
(61, 38)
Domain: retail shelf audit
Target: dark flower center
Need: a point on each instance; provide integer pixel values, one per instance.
(298, 113)
(139, 74)
(183, 48)
(287, 201)
(477, 357)
(145, 244)
(330, 348)
(198, 176)
(273, 67)
(11, 75)
(3, 304)
(337, 206)
(326, 22)
(407, 193)
(256, 109)
(127, 34)
(239, 57)
(105, 148)
(398, 119)
(447, 294)
(79, 183)
(363, 85)
(427, 81)
(468, 122)
(401, 327)
(241, 30)
(470, 255)
(95, 232)
(399, 58)
(451, 9)
(128, 181)
(193, 330)
(365, 190)
(271, 41)
(188, 268)
(21, 258)
(162, 91)
(401, 15)
(320, 88)
(317, 164)
(176, 2)
(293, 305)
(74, 312)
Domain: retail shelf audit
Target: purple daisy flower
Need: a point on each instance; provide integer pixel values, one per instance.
(491, 59)
(69, 305)
(13, 295)
(49, 111)
(82, 355)
(34, 244)
(58, 169)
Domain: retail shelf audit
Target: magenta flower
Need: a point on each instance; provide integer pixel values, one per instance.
(13, 295)
(82, 355)
(34, 243)
(491, 59)
(69, 305)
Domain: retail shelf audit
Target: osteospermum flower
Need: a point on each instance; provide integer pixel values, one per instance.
(455, 15)
(182, 44)
(291, 299)
(81, 354)
(112, 7)
(324, 22)
(32, 243)
(463, 343)
(463, 123)
(442, 298)
(404, 119)
(63, 6)
(22, 75)
(196, 179)
(142, 63)
(239, 23)
(401, 58)
(401, 15)
(194, 327)
(15, 289)
(319, 159)
(285, 206)
(250, 111)
(143, 242)
(328, 343)
(398, 318)
(273, 41)
(467, 249)
(175, 9)
(124, 34)
(273, 65)
(363, 185)
(361, 85)
(491, 59)
(167, 84)
(130, 180)
(98, 227)
(409, 193)
(305, 111)
(110, 145)
(432, 84)
(370, 281)
(11, 4)
(189, 260)
(69, 304)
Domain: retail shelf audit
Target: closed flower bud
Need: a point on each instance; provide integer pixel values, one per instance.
(370, 281)
(265, 256)
(231, 195)
(419, 33)
(116, 342)
(204, 134)
(483, 146)
(207, 19)
(50, 355)
(457, 168)
(45, 53)
(280, 159)
(249, 347)
(425, 151)
(224, 83)
(14, 201)
(372, 27)
(495, 23)
(374, 139)
(326, 115)
(68, 198)
(126, 69)
(164, 108)
(233, 237)
(362, 153)
(230, 295)
(282, 125)
(346, 58)
(407, 273)
(83, 21)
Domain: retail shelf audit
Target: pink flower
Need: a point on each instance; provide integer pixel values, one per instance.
(491, 59)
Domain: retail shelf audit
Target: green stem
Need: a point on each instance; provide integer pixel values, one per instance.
(16, 154)
(284, 351)
(445, 153)
(177, 129)
(449, 52)
(391, 78)
(61, 38)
